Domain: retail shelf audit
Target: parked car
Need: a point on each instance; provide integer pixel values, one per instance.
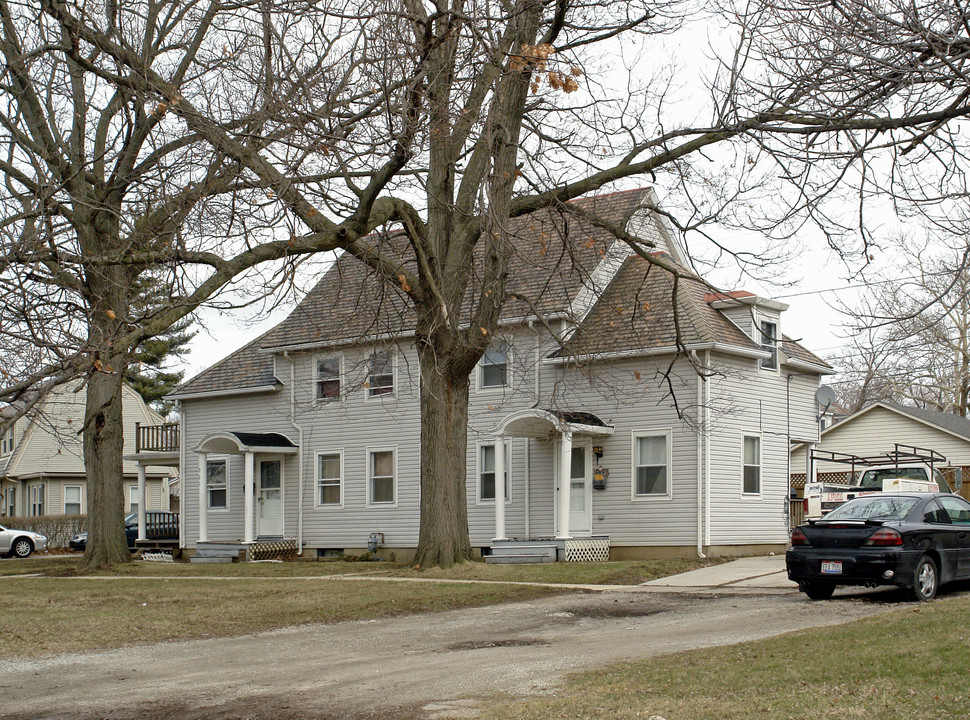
(918, 541)
(159, 526)
(20, 543)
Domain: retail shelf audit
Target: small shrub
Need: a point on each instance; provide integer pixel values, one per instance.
(58, 529)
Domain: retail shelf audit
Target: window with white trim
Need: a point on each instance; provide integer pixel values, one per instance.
(132, 498)
(769, 343)
(36, 500)
(330, 478)
(751, 461)
(651, 464)
(380, 376)
(380, 477)
(494, 366)
(11, 504)
(486, 473)
(6, 443)
(328, 378)
(217, 484)
(72, 499)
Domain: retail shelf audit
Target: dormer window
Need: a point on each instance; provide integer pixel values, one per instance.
(495, 365)
(769, 343)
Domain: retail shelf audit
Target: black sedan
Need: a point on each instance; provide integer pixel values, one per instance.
(159, 526)
(916, 541)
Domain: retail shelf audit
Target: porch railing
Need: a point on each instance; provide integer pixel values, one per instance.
(157, 438)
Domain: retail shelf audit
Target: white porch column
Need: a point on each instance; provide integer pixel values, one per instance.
(499, 488)
(203, 497)
(565, 465)
(141, 502)
(810, 469)
(250, 507)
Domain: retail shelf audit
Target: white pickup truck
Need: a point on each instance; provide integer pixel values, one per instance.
(900, 476)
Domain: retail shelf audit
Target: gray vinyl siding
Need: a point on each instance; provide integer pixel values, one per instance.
(752, 402)
(875, 432)
(620, 399)
(627, 394)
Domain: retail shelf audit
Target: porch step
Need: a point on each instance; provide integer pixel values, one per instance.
(522, 552)
(210, 559)
(228, 551)
(518, 558)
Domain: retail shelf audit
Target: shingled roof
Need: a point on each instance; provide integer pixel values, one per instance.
(556, 252)
(637, 310)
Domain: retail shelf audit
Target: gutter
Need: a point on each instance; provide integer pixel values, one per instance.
(666, 350)
(222, 393)
(810, 367)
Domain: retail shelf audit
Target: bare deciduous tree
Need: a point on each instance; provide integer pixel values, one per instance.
(913, 331)
(193, 140)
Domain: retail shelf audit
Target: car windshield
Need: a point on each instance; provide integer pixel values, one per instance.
(874, 478)
(875, 507)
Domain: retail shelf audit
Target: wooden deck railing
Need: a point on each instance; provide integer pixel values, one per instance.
(796, 512)
(157, 438)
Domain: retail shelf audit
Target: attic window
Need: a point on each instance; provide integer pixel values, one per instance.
(769, 343)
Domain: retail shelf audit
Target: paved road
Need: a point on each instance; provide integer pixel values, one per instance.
(422, 666)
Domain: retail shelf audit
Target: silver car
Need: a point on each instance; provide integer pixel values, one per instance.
(20, 543)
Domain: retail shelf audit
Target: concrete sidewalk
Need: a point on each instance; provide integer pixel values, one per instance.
(763, 572)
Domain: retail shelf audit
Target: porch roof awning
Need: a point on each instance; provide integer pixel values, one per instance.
(243, 442)
(540, 423)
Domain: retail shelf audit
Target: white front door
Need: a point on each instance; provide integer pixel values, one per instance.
(269, 500)
(580, 491)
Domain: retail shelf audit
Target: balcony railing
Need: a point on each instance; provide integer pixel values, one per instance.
(156, 438)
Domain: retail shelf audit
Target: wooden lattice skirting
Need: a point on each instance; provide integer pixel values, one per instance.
(587, 550)
(270, 549)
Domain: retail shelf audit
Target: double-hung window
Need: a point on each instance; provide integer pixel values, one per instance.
(486, 473)
(217, 484)
(72, 500)
(37, 500)
(132, 498)
(329, 478)
(769, 343)
(651, 464)
(328, 378)
(751, 480)
(381, 472)
(380, 377)
(495, 365)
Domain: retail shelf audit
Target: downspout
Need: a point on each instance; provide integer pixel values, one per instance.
(300, 464)
(788, 454)
(700, 464)
(707, 452)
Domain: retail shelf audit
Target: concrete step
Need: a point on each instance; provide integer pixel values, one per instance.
(499, 549)
(519, 559)
(203, 559)
(226, 551)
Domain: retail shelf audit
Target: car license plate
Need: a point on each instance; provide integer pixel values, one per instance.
(832, 568)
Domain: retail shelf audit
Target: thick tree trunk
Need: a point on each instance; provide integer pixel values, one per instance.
(443, 537)
(103, 449)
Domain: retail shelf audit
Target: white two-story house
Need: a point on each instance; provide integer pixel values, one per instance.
(652, 415)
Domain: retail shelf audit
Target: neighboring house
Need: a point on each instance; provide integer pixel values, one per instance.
(877, 427)
(42, 457)
(311, 433)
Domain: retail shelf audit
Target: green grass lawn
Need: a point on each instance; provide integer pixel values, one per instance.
(913, 664)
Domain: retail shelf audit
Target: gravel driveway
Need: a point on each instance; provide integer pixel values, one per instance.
(421, 666)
